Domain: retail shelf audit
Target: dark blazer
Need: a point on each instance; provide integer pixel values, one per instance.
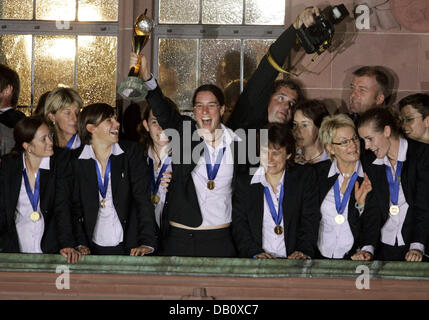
(301, 212)
(365, 228)
(415, 183)
(181, 204)
(11, 169)
(251, 109)
(131, 197)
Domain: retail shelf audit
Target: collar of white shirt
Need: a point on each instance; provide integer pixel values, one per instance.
(228, 136)
(44, 164)
(5, 109)
(259, 177)
(150, 154)
(88, 151)
(334, 169)
(402, 154)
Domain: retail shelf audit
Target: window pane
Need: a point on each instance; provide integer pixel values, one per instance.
(54, 60)
(259, 12)
(98, 10)
(96, 69)
(56, 10)
(220, 61)
(228, 12)
(255, 49)
(177, 69)
(12, 9)
(179, 11)
(15, 52)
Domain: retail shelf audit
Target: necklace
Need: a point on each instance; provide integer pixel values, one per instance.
(317, 156)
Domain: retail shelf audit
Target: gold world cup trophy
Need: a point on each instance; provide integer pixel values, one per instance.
(133, 88)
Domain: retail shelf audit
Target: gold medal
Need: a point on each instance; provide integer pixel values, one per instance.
(394, 210)
(35, 216)
(278, 230)
(210, 184)
(155, 199)
(339, 219)
(103, 203)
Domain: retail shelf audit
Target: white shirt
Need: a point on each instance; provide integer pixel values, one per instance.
(162, 193)
(108, 230)
(30, 232)
(76, 143)
(216, 204)
(272, 243)
(392, 229)
(335, 240)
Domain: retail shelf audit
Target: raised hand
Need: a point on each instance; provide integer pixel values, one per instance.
(362, 191)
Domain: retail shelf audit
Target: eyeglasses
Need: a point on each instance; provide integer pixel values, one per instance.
(211, 105)
(345, 142)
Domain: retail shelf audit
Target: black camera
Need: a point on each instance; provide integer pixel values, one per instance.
(318, 37)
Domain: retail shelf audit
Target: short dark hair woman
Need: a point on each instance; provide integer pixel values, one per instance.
(276, 211)
(112, 209)
(29, 178)
(307, 118)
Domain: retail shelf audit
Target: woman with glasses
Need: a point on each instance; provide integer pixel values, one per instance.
(399, 170)
(29, 179)
(61, 111)
(198, 210)
(415, 116)
(348, 225)
(307, 118)
(276, 210)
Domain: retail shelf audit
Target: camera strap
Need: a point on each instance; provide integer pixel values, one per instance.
(275, 65)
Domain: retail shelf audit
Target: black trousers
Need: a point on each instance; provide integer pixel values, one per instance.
(199, 243)
(110, 251)
(385, 252)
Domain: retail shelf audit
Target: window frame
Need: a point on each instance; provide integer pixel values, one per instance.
(210, 31)
(49, 27)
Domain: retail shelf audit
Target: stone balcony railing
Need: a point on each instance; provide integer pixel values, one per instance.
(34, 276)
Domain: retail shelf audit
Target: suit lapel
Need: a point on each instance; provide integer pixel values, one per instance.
(256, 221)
(289, 199)
(44, 184)
(90, 188)
(15, 186)
(404, 179)
(383, 188)
(116, 171)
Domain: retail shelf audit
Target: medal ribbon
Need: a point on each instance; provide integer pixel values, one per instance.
(70, 142)
(154, 185)
(276, 217)
(394, 184)
(103, 187)
(212, 170)
(33, 197)
(341, 205)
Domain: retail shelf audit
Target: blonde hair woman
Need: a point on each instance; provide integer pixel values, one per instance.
(61, 111)
(346, 208)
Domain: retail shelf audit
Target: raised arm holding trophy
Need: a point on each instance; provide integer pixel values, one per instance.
(133, 88)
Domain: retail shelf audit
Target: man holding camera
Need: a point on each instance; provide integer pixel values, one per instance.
(264, 99)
